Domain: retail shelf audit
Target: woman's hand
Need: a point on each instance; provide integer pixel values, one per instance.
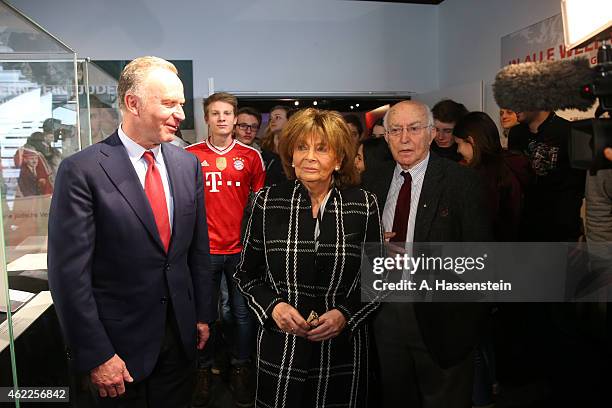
(331, 324)
(288, 319)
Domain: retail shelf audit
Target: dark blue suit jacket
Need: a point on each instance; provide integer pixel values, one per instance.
(109, 275)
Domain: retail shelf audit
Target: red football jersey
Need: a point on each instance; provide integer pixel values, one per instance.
(229, 176)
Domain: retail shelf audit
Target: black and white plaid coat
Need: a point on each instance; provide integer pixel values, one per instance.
(279, 263)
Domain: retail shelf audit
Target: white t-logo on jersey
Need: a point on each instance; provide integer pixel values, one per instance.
(213, 181)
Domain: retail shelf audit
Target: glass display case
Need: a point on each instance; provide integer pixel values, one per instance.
(51, 106)
(99, 113)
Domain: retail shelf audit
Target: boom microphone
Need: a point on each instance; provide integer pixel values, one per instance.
(544, 86)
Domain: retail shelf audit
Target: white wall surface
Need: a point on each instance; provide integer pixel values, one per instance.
(471, 95)
(299, 45)
(470, 35)
(259, 45)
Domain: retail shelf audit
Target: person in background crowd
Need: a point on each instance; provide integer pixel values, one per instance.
(425, 351)
(359, 162)
(375, 148)
(178, 140)
(248, 121)
(279, 115)
(598, 199)
(313, 338)
(505, 175)
(507, 119)
(231, 171)
(378, 130)
(133, 290)
(269, 145)
(552, 213)
(354, 124)
(373, 152)
(553, 200)
(446, 113)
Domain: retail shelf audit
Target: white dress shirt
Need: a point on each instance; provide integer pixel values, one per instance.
(418, 174)
(135, 152)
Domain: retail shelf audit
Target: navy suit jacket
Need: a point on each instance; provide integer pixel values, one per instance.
(451, 209)
(109, 275)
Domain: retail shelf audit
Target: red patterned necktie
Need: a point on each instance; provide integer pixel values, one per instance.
(154, 190)
(402, 209)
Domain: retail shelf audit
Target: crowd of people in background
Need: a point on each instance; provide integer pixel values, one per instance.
(520, 203)
(286, 214)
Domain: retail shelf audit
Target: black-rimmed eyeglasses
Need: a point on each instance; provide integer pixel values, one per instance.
(244, 126)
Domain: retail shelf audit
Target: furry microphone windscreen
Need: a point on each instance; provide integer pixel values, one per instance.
(544, 86)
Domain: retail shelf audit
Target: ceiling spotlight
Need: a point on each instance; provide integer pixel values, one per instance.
(357, 105)
(352, 107)
(296, 103)
(315, 103)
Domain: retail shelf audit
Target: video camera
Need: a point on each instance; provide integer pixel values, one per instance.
(590, 137)
(569, 84)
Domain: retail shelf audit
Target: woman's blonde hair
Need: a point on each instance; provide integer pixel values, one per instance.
(334, 132)
(267, 141)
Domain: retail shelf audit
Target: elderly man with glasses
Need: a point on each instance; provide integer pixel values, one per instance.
(425, 350)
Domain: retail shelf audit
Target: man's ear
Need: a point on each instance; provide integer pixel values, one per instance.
(132, 104)
(470, 140)
(432, 134)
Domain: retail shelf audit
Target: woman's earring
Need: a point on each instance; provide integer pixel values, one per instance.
(292, 165)
(337, 168)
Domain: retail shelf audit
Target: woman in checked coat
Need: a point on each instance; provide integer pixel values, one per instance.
(302, 254)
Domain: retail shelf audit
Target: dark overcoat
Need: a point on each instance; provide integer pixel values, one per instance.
(281, 263)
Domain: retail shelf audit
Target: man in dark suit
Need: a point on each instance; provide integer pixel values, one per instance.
(128, 251)
(425, 350)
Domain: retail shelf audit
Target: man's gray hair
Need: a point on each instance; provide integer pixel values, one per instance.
(423, 106)
(134, 73)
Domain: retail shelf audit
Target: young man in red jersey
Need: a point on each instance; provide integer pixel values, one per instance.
(231, 171)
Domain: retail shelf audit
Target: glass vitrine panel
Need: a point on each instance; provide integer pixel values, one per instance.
(39, 126)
